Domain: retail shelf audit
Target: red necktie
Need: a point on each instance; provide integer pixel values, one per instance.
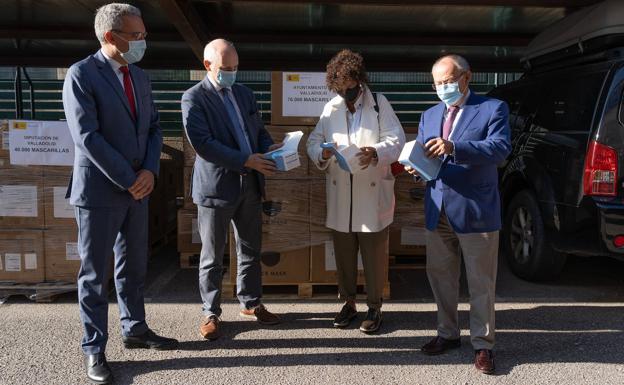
(448, 124)
(128, 89)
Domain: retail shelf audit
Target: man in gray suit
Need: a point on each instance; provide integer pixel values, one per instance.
(224, 126)
(115, 127)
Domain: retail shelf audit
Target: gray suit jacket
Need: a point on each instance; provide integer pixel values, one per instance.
(110, 145)
(220, 162)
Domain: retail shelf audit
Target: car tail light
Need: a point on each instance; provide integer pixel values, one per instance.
(601, 169)
(618, 241)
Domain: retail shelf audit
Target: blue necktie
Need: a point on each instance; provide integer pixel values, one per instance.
(243, 142)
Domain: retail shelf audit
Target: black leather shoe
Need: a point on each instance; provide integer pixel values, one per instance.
(346, 315)
(98, 370)
(439, 345)
(150, 340)
(372, 322)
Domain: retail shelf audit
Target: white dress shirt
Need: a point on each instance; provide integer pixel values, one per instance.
(115, 65)
(461, 109)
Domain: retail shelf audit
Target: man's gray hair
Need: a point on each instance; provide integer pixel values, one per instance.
(460, 62)
(210, 51)
(110, 17)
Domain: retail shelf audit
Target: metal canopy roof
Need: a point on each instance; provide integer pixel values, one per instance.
(290, 34)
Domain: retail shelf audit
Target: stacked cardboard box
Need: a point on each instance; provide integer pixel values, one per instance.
(407, 232)
(38, 232)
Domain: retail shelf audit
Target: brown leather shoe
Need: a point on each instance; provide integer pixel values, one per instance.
(484, 361)
(210, 329)
(439, 345)
(260, 314)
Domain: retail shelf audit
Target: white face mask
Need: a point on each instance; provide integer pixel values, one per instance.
(449, 93)
(136, 50)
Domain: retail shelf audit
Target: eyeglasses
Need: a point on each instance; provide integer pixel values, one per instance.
(451, 80)
(134, 35)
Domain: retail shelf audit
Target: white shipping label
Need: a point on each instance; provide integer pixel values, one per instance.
(71, 251)
(5, 140)
(62, 208)
(13, 262)
(330, 257)
(413, 236)
(304, 93)
(195, 238)
(30, 261)
(18, 201)
(45, 143)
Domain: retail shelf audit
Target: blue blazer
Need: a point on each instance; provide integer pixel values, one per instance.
(467, 186)
(219, 163)
(110, 146)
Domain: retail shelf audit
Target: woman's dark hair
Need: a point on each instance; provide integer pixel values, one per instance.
(344, 66)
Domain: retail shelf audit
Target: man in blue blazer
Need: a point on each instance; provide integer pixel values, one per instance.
(115, 127)
(224, 126)
(462, 206)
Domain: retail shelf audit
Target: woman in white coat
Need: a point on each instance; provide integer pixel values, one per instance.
(360, 203)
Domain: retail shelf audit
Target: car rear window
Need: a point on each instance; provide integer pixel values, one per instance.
(570, 103)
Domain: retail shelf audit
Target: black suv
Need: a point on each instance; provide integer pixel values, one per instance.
(562, 186)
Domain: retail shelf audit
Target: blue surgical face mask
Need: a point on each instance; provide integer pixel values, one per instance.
(136, 50)
(449, 93)
(226, 79)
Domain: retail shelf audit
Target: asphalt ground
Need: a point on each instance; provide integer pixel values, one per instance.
(567, 332)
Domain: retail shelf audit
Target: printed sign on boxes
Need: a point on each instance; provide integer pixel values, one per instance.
(298, 98)
(21, 201)
(43, 143)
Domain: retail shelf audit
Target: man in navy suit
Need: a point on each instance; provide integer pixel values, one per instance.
(224, 126)
(462, 206)
(115, 127)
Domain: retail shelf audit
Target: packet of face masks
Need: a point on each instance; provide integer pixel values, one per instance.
(286, 157)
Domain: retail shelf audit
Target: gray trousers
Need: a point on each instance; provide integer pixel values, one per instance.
(374, 250)
(480, 253)
(246, 216)
(100, 231)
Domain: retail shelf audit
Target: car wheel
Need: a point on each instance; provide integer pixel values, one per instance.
(525, 242)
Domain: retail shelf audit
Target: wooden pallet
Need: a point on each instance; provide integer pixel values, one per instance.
(297, 290)
(38, 292)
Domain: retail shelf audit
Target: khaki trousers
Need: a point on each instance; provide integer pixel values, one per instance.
(480, 252)
(374, 250)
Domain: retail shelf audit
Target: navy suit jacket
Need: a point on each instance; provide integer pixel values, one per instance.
(110, 146)
(220, 162)
(467, 186)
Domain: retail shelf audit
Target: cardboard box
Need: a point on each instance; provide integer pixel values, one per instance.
(62, 260)
(277, 117)
(318, 206)
(22, 256)
(285, 215)
(189, 152)
(170, 179)
(409, 208)
(188, 180)
(58, 212)
(189, 240)
(323, 260)
(286, 267)
(173, 149)
(21, 201)
(4, 139)
(407, 240)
